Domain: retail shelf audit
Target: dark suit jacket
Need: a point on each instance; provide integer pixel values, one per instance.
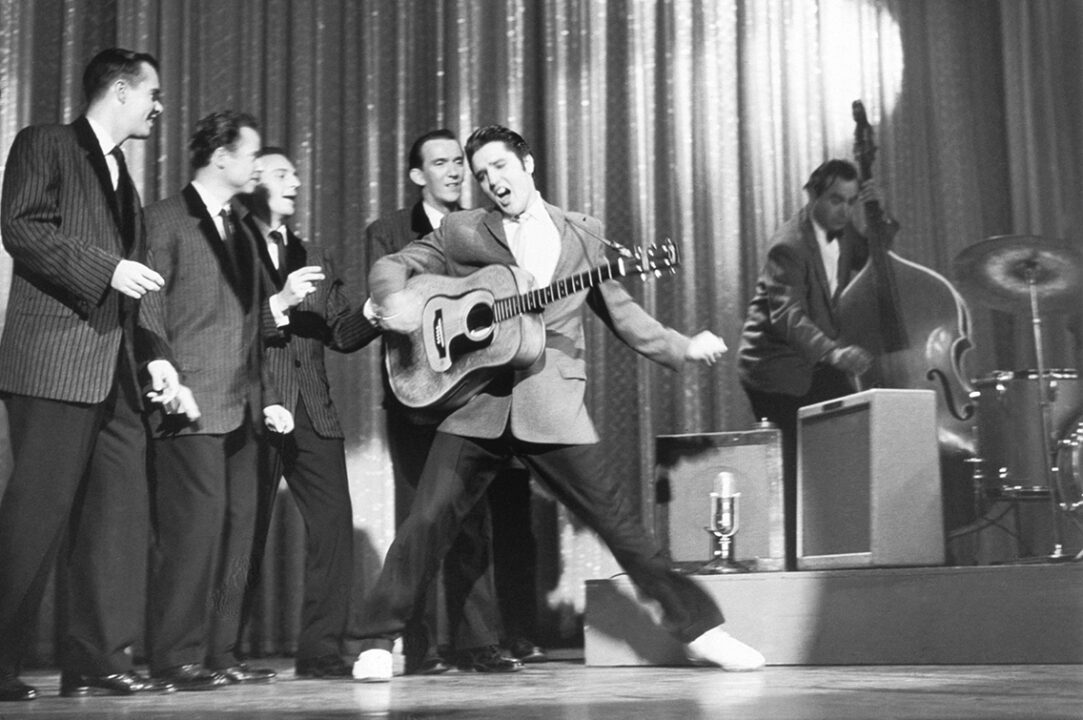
(545, 403)
(791, 323)
(326, 318)
(59, 222)
(207, 320)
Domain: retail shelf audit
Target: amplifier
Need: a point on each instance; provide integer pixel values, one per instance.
(868, 481)
(684, 478)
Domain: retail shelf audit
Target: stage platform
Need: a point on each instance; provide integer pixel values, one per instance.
(1016, 614)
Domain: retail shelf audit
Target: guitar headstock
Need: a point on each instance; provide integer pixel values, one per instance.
(657, 259)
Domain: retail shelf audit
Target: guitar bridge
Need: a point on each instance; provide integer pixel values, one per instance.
(438, 334)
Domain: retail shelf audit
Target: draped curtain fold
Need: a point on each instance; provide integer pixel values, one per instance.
(696, 120)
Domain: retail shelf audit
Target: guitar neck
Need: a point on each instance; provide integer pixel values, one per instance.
(536, 300)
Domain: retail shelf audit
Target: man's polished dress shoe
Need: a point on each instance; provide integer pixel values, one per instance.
(325, 666)
(12, 689)
(526, 651)
(428, 665)
(242, 674)
(127, 683)
(192, 677)
(488, 659)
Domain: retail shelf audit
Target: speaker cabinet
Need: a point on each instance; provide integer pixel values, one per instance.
(684, 478)
(868, 481)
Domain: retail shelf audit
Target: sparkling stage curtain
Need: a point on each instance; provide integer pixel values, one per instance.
(693, 120)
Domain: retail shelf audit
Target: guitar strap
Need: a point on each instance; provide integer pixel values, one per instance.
(620, 249)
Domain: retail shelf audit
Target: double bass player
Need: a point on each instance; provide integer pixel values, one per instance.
(790, 353)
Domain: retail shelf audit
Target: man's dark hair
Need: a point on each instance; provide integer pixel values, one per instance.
(273, 150)
(496, 133)
(219, 129)
(414, 158)
(822, 177)
(110, 64)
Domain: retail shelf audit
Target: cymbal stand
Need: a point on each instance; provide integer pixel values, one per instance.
(1049, 442)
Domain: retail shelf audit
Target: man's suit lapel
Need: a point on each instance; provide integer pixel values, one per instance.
(296, 254)
(494, 224)
(419, 221)
(264, 252)
(570, 261)
(209, 231)
(88, 141)
(808, 239)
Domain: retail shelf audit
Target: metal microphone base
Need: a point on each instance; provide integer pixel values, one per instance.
(723, 561)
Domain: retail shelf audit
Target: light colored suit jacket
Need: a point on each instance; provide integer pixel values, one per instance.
(208, 318)
(545, 402)
(62, 332)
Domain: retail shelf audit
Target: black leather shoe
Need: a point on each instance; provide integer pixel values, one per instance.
(12, 689)
(526, 651)
(325, 666)
(128, 683)
(431, 665)
(489, 659)
(241, 673)
(192, 677)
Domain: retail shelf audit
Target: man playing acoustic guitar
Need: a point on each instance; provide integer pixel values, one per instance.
(536, 413)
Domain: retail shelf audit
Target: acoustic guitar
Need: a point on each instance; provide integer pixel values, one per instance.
(473, 326)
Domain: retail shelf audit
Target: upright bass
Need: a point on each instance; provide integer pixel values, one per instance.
(916, 326)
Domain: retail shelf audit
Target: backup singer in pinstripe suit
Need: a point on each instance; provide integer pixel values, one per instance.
(207, 320)
(72, 221)
(312, 457)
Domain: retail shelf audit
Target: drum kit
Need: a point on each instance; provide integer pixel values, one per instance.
(1030, 422)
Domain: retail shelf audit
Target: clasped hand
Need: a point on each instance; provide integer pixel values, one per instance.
(167, 391)
(705, 347)
(278, 419)
(135, 279)
(299, 284)
(400, 312)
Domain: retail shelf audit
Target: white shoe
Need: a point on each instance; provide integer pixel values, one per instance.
(373, 666)
(718, 647)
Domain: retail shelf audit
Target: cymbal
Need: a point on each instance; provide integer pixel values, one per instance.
(999, 271)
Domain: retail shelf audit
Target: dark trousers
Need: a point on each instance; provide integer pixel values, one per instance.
(315, 470)
(79, 469)
(456, 475)
(515, 553)
(473, 616)
(827, 384)
(205, 511)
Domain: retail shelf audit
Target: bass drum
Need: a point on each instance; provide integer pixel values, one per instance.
(1069, 471)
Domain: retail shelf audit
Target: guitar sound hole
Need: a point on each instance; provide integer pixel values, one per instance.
(479, 322)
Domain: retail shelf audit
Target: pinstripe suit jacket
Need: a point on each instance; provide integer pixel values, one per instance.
(63, 328)
(326, 318)
(545, 402)
(207, 319)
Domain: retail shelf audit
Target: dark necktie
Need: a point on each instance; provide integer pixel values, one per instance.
(833, 235)
(124, 194)
(229, 239)
(280, 250)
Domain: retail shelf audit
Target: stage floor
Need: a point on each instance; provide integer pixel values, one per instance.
(569, 689)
